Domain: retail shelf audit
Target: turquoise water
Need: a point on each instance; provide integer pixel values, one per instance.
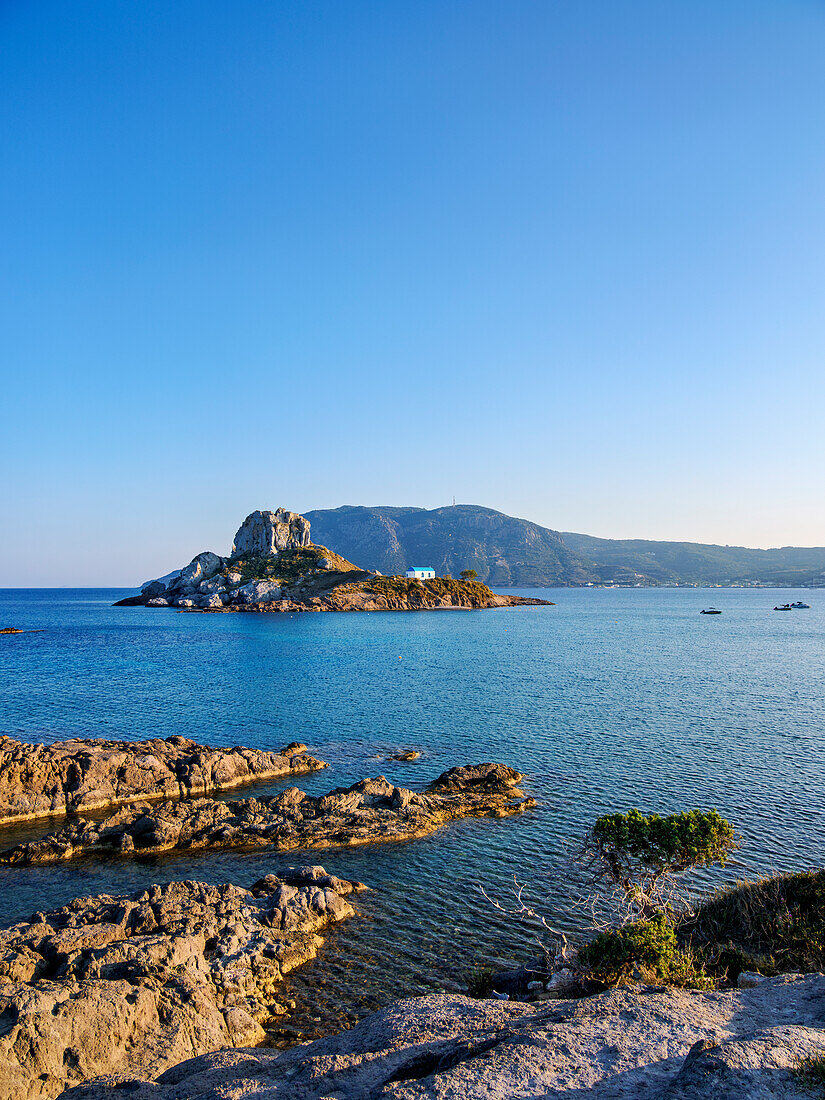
(610, 699)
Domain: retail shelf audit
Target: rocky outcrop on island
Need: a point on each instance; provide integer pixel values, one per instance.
(634, 1043)
(275, 567)
(270, 532)
(372, 811)
(133, 985)
(83, 775)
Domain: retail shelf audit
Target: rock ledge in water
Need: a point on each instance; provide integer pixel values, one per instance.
(372, 811)
(73, 776)
(633, 1044)
(134, 985)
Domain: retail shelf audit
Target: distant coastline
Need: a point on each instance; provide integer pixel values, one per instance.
(508, 552)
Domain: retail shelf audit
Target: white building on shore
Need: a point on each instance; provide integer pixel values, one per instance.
(421, 573)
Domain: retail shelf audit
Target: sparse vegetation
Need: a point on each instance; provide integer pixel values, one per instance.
(644, 929)
(443, 586)
(646, 949)
(314, 571)
(810, 1073)
(775, 925)
(480, 982)
(641, 855)
(410, 589)
(291, 566)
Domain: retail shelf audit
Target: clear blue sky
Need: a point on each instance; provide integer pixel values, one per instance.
(565, 259)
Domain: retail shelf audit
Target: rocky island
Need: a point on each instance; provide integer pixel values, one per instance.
(133, 985)
(274, 566)
(84, 775)
(368, 812)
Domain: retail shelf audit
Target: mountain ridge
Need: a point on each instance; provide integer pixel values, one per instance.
(504, 550)
(507, 551)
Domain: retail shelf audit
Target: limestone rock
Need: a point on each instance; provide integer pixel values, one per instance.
(135, 984)
(564, 983)
(214, 601)
(260, 592)
(368, 812)
(77, 776)
(213, 585)
(158, 601)
(748, 979)
(200, 568)
(631, 1044)
(153, 588)
(159, 585)
(265, 533)
(184, 601)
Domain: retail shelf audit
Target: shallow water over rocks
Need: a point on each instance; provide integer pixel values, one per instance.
(609, 699)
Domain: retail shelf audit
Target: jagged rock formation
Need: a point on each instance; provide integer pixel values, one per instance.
(275, 567)
(372, 811)
(134, 985)
(629, 1043)
(267, 533)
(73, 776)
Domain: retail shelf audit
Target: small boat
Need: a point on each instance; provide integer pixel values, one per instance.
(784, 607)
(710, 611)
(799, 605)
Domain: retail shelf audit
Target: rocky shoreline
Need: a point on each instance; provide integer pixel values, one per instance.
(636, 1043)
(369, 812)
(160, 995)
(133, 985)
(424, 597)
(78, 776)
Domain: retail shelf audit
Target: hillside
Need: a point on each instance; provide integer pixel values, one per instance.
(506, 551)
(503, 550)
(698, 563)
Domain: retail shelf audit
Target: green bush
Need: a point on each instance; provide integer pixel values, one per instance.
(634, 851)
(480, 982)
(647, 947)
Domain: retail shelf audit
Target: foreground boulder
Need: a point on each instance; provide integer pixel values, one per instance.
(136, 984)
(371, 811)
(631, 1044)
(73, 776)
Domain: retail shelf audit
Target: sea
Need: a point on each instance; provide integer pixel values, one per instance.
(610, 699)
